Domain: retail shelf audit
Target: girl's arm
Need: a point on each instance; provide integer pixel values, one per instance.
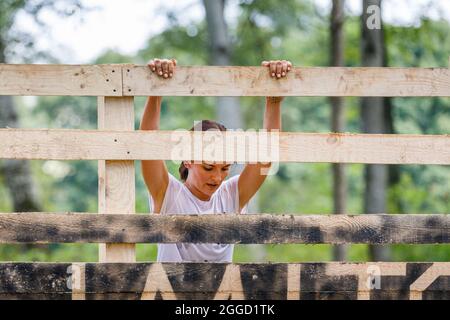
(253, 175)
(155, 172)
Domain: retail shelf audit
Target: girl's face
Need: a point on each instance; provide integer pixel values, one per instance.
(205, 178)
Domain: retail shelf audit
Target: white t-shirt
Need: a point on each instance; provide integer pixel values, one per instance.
(179, 200)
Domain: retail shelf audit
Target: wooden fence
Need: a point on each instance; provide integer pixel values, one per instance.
(116, 145)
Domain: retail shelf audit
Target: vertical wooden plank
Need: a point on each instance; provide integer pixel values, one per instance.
(116, 185)
(293, 285)
(78, 281)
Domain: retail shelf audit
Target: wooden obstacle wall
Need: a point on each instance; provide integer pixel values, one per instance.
(116, 145)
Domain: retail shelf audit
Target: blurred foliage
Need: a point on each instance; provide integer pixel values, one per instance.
(293, 30)
(20, 45)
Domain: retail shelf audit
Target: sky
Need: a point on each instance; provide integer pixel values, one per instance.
(126, 25)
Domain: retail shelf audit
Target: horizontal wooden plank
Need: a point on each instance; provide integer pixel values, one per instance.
(333, 280)
(60, 80)
(106, 80)
(232, 146)
(316, 81)
(223, 228)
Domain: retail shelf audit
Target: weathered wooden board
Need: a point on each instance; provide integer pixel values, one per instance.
(116, 185)
(334, 280)
(223, 228)
(106, 80)
(60, 80)
(316, 81)
(234, 146)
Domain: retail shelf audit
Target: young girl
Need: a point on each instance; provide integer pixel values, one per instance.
(203, 188)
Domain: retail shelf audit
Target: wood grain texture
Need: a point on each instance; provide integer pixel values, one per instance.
(316, 81)
(64, 144)
(334, 280)
(223, 228)
(106, 80)
(62, 80)
(116, 185)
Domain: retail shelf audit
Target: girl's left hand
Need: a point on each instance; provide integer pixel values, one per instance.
(278, 68)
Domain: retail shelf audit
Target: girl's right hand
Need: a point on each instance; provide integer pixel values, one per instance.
(163, 67)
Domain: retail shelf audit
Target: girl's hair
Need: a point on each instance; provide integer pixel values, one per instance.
(205, 126)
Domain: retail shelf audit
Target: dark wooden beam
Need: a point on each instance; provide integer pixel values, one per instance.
(334, 280)
(225, 228)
